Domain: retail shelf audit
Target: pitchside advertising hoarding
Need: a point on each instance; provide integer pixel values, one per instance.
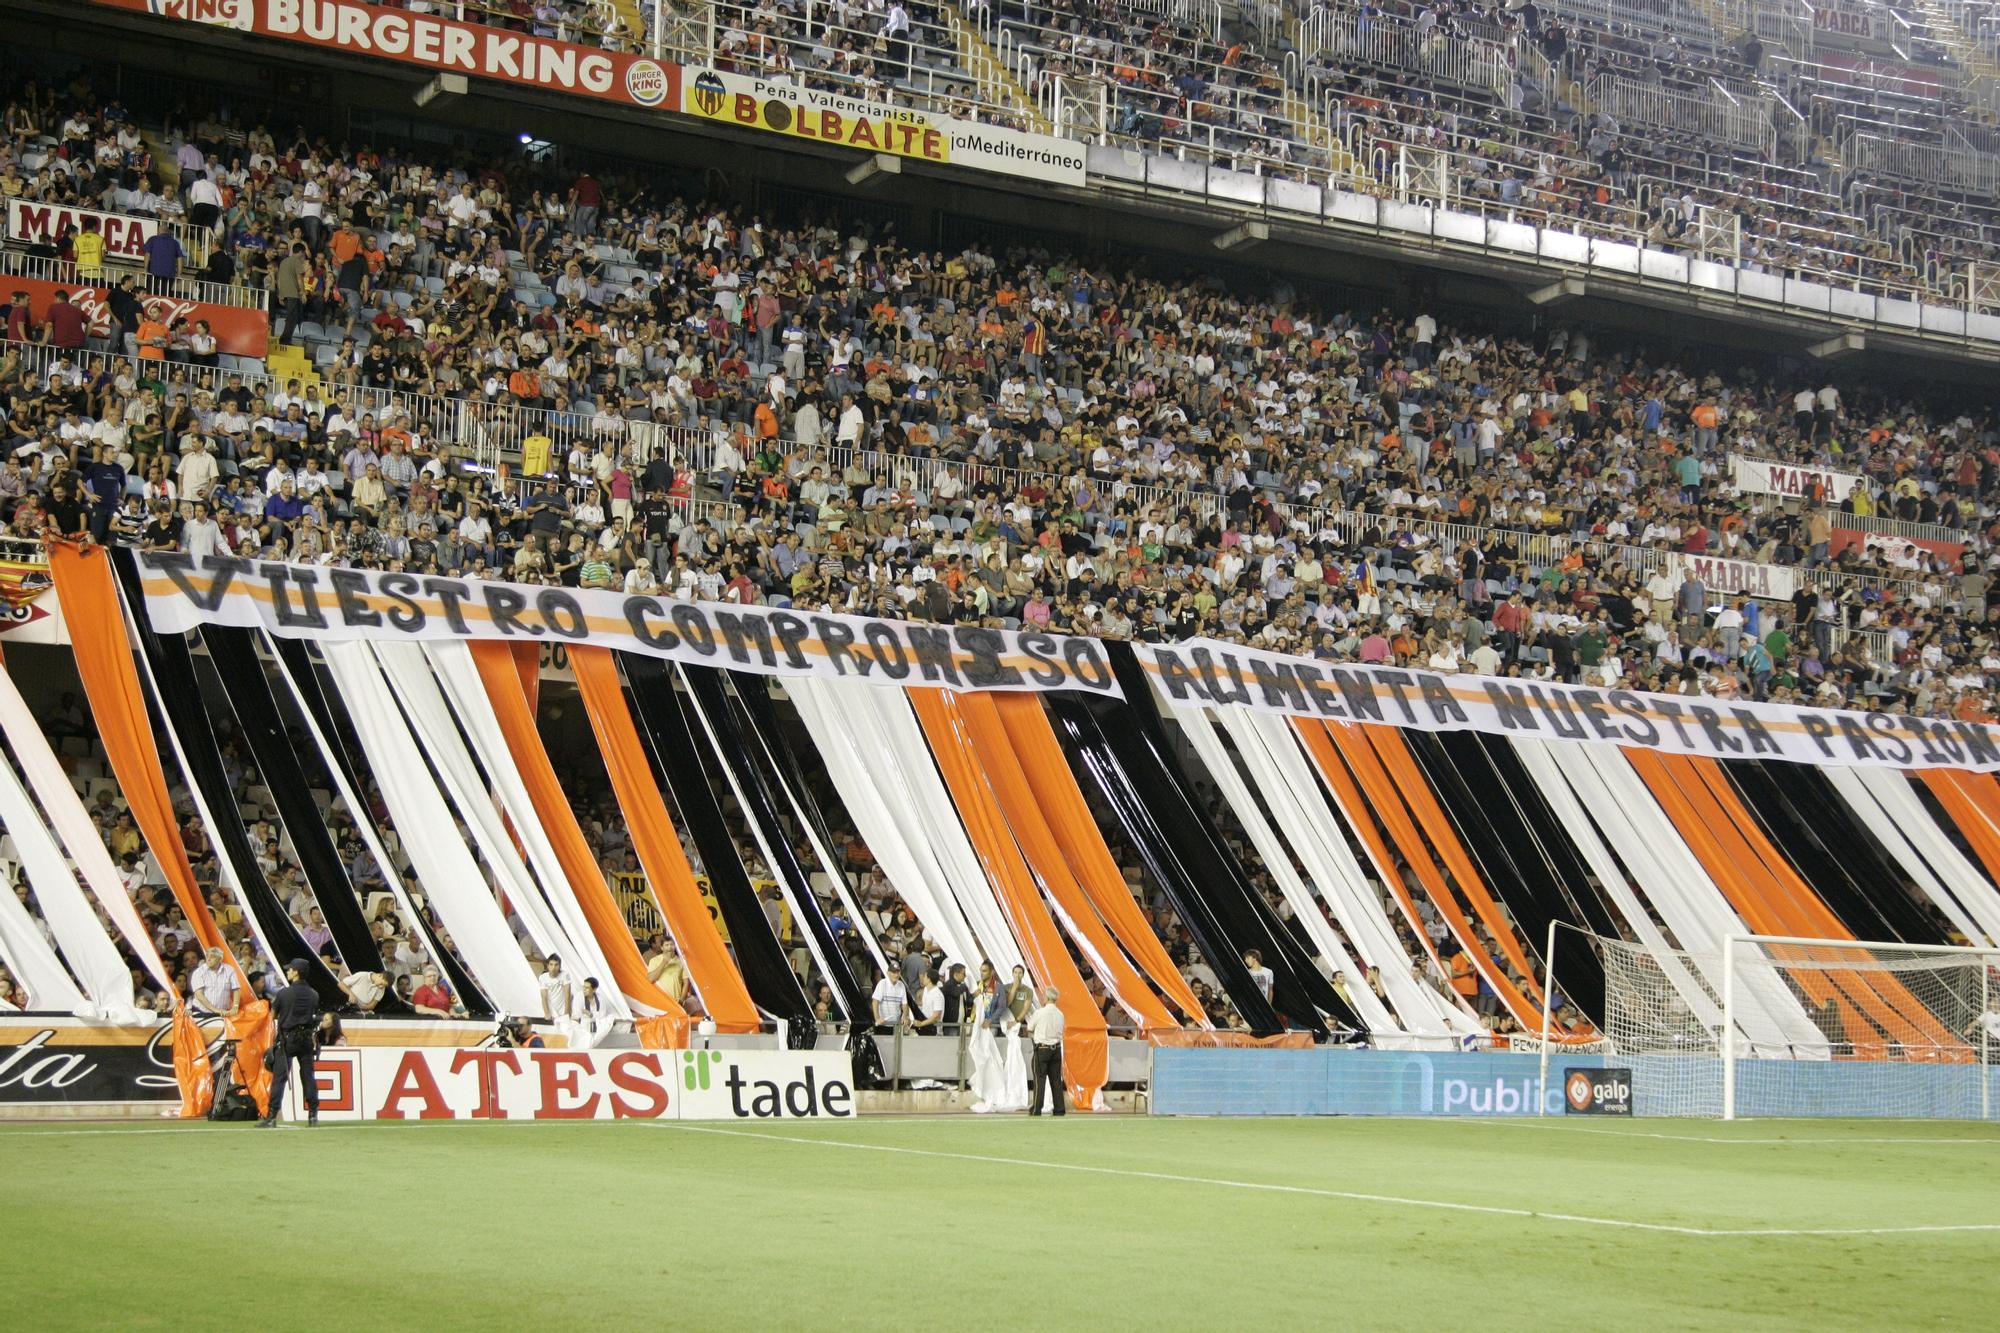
(372, 1083)
(437, 43)
(782, 107)
(1597, 1091)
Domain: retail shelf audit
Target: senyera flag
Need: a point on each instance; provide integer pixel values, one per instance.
(435, 42)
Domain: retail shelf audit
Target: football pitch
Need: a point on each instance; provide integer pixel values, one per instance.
(1085, 1222)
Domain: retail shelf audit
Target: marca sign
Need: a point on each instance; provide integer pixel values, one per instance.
(783, 107)
(485, 1083)
(34, 223)
(436, 42)
(1762, 476)
(1738, 578)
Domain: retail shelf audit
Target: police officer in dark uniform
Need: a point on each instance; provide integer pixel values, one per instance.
(295, 1014)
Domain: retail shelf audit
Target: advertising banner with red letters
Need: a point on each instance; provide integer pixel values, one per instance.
(491, 1083)
(238, 330)
(125, 236)
(435, 42)
(1897, 549)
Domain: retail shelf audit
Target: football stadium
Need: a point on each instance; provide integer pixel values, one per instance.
(638, 638)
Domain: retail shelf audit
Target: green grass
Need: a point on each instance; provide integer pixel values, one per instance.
(966, 1223)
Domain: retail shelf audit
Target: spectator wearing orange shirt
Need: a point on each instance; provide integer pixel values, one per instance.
(153, 338)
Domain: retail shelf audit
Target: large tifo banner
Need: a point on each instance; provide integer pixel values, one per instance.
(1762, 476)
(308, 602)
(437, 43)
(783, 107)
(238, 330)
(125, 236)
(486, 1083)
(1206, 672)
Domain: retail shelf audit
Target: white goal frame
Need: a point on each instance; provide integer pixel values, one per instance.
(1986, 958)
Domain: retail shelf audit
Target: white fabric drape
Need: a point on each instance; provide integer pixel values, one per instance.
(73, 826)
(1681, 890)
(730, 766)
(1888, 804)
(423, 703)
(999, 1070)
(1302, 805)
(33, 961)
(93, 959)
(892, 820)
(445, 866)
(454, 669)
(1547, 776)
(1197, 724)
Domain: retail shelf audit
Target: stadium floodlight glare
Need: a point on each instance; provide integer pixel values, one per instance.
(1245, 233)
(444, 85)
(1779, 1025)
(874, 168)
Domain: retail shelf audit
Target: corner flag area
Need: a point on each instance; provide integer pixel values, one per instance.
(1086, 1222)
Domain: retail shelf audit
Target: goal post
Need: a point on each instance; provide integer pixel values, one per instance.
(1793, 1026)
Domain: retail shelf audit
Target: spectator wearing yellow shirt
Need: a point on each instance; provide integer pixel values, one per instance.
(88, 247)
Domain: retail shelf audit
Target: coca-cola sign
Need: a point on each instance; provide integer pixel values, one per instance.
(238, 331)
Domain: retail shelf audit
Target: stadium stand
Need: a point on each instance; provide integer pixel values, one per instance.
(508, 371)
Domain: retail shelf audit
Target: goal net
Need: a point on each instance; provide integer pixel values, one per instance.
(1773, 1026)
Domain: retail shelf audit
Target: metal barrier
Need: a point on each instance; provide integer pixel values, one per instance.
(115, 271)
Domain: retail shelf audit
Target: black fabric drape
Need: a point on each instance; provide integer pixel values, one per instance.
(670, 733)
(1491, 819)
(1098, 766)
(1811, 825)
(746, 751)
(178, 696)
(1250, 920)
(298, 666)
(263, 729)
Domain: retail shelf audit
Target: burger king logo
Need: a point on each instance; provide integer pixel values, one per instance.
(646, 83)
(240, 15)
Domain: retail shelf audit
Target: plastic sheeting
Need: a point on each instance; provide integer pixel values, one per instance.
(73, 825)
(563, 914)
(928, 862)
(92, 958)
(263, 730)
(295, 669)
(456, 884)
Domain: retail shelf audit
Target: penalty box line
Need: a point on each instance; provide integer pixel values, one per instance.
(1352, 1196)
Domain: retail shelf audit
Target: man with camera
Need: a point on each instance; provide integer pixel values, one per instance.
(516, 1034)
(295, 1015)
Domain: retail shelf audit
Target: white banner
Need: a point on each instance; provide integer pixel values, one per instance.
(487, 1083)
(1205, 671)
(125, 237)
(1744, 578)
(311, 602)
(783, 107)
(1762, 476)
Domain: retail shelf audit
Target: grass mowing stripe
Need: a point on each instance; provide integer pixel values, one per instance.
(1821, 1142)
(1354, 1196)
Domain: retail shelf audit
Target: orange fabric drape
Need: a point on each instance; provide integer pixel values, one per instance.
(552, 808)
(1973, 803)
(1347, 797)
(91, 608)
(191, 1066)
(528, 664)
(1086, 1052)
(1353, 747)
(1070, 821)
(1769, 903)
(1394, 753)
(1888, 1001)
(994, 755)
(716, 978)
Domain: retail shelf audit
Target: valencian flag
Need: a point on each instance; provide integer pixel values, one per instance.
(22, 581)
